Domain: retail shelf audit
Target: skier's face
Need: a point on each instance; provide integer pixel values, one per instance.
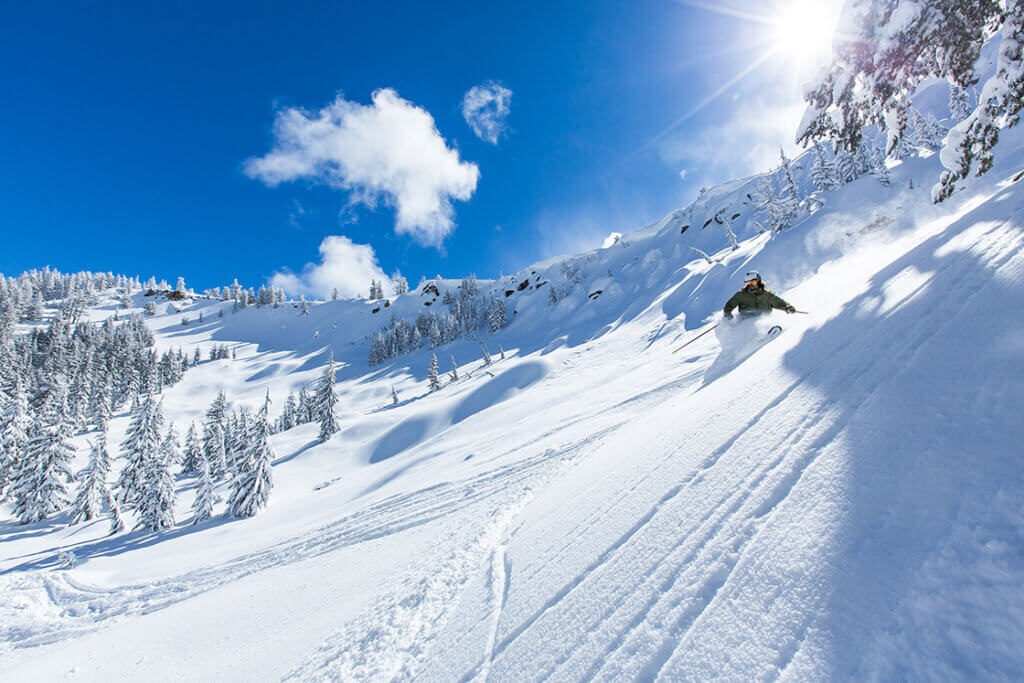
(751, 284)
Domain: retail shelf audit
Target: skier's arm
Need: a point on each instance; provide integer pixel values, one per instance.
(729, 305)
(780, 303)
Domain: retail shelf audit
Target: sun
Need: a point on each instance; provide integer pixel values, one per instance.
(802, 29)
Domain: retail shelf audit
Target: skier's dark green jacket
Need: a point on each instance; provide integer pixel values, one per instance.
(754, 302)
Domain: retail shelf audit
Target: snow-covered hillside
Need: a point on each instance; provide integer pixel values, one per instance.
(843, 502)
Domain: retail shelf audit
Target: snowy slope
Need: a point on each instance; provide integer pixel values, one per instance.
(845, 502)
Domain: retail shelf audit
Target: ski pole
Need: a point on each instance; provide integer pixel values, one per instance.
(695, 338)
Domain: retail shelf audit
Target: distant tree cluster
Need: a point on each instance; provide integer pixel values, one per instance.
(67, 379)
(320, 405)
(243, 297)
(470, 310)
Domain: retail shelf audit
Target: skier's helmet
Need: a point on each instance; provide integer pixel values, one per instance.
(753, 276)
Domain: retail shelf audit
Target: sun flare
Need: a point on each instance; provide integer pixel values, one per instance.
(802, 29)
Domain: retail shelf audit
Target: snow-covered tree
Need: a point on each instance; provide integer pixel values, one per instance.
(155, 505)
(114, 510)
(928, 132)
(823, 173)
(881, 171)
(202, 505)
(43, 474)
(777, 210)
(497, 314)
(180, 287)
(288, 413)
(721, 218)
(845, 167)
(34, 310)
(172, 445)
(140, 446)
(887, 49)
(400, 284)
(252, 485)
(193, 455)
(485, 354)
(93, 491)
(455, 369)
(394, 396)
(959, 103)
(14, 431)
(326, 401)
(432, 378)
(214, 435)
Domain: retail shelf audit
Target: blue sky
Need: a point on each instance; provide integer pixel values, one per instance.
(141, 138)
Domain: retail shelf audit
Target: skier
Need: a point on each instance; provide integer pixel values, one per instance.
(754, 299)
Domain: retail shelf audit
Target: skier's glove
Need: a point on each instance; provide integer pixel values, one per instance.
(728, 315)
(790, 309)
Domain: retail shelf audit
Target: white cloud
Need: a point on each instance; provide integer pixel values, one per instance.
(390, 150)
(344, 265)
(682, 174)
(485, 108)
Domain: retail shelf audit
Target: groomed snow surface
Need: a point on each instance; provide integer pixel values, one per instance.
(843, 502)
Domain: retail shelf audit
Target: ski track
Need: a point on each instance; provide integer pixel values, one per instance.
(657, 607)
(72, 609)
(393, 638)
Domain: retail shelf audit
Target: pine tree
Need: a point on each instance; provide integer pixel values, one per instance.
(497, 315)
(847, 170)
(401, 285)
(772, 206)
(45, 470)
(394, 396)
(172, 445)
(455, 369)
(251, 487)
(288, 413)
(116, 522)
(193, 455)
(213, 435)
(93, 492)
(238, 443)
(928, 133)
(432, 378)
(305, 410)
(155, 504)
(881, 171)
(864, 157)
(202, 506)
(502, 349)
(140, 445)
(14, 436)
(326, 402)
(823, 172)
(486, 355)
(959, 103)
